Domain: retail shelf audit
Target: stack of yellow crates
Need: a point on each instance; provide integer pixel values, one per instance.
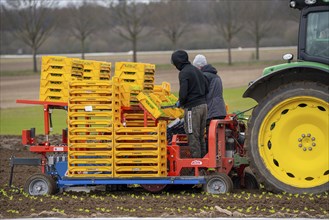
(56, 73)
(93, 111)
(149, 77)
(131, 77)
(105, 70)
(96, 70)
(140, 151)
(109, 135)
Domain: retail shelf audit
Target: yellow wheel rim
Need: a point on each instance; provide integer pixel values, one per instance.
(293, 140)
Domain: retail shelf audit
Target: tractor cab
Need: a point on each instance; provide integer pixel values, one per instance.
(313, 42)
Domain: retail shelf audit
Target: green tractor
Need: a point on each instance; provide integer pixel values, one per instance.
(287, 136)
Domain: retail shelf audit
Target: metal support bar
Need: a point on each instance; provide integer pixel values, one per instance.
(164, 180)
(21, 161)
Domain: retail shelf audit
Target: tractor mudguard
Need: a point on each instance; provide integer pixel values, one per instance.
(286, 73)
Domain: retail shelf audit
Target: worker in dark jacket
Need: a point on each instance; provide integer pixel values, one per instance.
(192, 97)
(215, 100)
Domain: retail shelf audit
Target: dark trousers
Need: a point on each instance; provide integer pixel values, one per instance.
(194, 126)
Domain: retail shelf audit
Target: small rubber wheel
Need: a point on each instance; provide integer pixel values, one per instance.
(250, 182)
(40, 184)
(218, 184)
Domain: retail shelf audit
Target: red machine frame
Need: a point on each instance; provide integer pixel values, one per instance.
(215, 158)
(44, 147)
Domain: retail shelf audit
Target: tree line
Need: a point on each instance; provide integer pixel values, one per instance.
(38, 26)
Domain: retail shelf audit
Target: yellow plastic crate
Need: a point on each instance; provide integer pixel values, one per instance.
(149, 69)
(90, 137)
(94, 106)
(54, 84)
(100, 114)
(88, 91)
(149, 105)
(57, 72)
(162, 100)
(91, 65)
(61, 67)
(54, 91)
(148, 88)
(105, 71)
(91, 99)
(55, 60)
(53, 98)
(74, 146)
(90, 122)
(129, 94)
(90, 171)
(104, 153)
(174, 112)
(133, 146)
(91, 70)
(46, 69)
(163, 88)
(91, 84)
(64, 76)
(135, 133)
(149, 79)
(137, 120)
(120, 67)
(131, 76)
(140, 171)
(105, 67)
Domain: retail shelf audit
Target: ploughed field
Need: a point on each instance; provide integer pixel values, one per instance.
(179, 201)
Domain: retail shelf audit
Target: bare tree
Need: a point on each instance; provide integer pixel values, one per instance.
(32, 21)
(225, 17)
(129, 15)
(259, 20)
(82, 23)
(171, 20)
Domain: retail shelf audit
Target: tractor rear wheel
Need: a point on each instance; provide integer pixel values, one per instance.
(40, 184)
(287, 139)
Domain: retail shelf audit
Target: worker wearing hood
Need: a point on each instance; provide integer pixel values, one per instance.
(215, 100)
(192, 97)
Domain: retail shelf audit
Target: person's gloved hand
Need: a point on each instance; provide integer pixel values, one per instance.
(177, 104)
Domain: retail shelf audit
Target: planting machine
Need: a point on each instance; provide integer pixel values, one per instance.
(122, 131)
(118, 134)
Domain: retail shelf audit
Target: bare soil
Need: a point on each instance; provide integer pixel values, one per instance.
(180, 201)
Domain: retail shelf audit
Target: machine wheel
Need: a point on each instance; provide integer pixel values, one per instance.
(217, 184)
(155, 188)
(119, 187)
(40, 184)
(287, 139)
(250, 181)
